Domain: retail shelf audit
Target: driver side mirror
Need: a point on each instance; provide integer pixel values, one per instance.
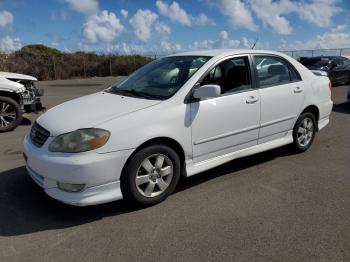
(207, 91)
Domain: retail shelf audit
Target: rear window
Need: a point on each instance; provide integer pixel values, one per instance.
(318, 62)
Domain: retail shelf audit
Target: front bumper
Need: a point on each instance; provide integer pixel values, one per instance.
(31, 101)
(100, 173)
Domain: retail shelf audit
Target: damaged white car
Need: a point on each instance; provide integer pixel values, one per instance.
(18, 94)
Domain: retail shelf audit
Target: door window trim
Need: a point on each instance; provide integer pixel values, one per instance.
(290, 67)
(253, 86)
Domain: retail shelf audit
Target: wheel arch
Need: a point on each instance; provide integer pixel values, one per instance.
(172, 143)
(12, 95)
(314, 110)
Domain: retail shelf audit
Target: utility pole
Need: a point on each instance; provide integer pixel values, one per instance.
(110, 65)
(54, 68)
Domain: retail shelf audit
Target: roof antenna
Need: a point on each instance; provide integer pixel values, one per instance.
(256, 41)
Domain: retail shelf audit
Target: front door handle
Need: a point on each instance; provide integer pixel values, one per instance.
(252, 100)
(298, 90)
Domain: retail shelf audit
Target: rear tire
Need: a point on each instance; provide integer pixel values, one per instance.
(10, 114)
(151, 175)
(304, 132)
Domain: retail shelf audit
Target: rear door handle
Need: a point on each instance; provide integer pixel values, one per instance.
(298, 90)
(252, 100)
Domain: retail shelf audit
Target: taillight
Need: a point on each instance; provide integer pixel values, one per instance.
(330, 85)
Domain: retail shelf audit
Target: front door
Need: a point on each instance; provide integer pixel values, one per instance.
(230, 122)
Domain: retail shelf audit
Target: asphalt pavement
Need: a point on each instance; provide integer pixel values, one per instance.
(274, 206)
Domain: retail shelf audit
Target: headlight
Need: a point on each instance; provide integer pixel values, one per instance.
(81, 140)
(21, 89)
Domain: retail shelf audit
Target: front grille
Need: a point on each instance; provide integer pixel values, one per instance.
(39, 135)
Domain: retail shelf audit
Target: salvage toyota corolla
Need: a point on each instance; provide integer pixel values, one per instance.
(179, 115)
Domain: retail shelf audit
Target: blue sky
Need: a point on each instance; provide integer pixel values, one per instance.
(162, 26)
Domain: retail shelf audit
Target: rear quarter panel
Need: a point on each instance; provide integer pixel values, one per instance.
(317, 91)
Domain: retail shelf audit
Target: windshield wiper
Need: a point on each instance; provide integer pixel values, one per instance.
(152, 96)
(135, 93)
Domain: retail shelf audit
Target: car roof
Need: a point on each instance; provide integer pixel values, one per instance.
(225, 52)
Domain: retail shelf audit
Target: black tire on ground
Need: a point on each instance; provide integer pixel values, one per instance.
(299, 144)
(8, 121)
(135, 169)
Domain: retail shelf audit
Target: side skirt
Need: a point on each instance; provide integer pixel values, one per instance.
(195, 168)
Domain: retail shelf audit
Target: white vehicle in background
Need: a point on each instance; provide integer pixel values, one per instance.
(17, 94)
(179, 115)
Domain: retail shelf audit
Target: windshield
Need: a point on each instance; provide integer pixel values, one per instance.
(161, 78)
(317, 62)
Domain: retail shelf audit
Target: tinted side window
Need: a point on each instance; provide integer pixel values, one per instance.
(343, 61)
(337, 62)
(346, 61)
(274, 71)
(231, 75)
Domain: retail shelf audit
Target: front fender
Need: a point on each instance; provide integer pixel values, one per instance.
(164, 120)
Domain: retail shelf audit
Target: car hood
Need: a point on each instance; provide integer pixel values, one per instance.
(90, 111)
(17, 76)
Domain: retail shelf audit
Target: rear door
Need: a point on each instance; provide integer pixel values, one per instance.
(282, 94)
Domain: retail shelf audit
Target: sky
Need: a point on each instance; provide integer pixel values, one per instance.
(164, 26)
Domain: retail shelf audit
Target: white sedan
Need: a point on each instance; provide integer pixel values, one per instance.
(179, 115)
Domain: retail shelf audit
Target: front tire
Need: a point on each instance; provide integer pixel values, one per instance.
(151, 175)
(304, 132)
(10, 114)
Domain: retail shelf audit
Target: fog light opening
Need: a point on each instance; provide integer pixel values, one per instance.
(68, 187)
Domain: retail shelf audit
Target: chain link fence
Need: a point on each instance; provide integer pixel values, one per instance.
(300, 54)
(85, 65)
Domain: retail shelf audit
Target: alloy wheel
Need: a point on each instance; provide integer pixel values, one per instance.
(8, 114)
(305, 132)
(154, 175)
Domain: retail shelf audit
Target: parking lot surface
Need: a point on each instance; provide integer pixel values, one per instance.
(274, 206)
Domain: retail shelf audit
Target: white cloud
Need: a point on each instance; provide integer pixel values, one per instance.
(336, 38)
(226, 42)
(223, 42)
(104, 26)
(124, 13)
(9, 44)
(142, 23)
(169, 47)
(154, 50)
(318, 12)
(179, 15)
(238, 13)
(273, 13)
(6, 18)
(84, 6)
(126, 48)
(162, 29)
(203, 19)
(270, 13)
(174, 12)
